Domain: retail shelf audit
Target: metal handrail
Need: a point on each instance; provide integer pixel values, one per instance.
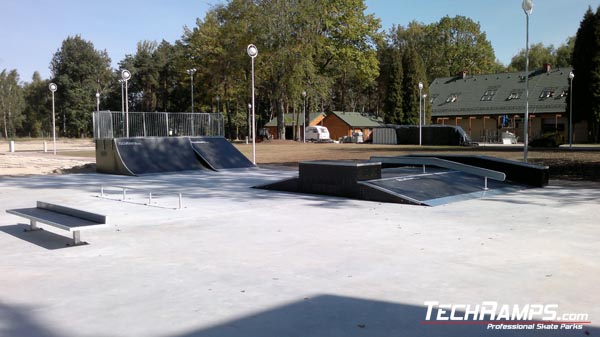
(432, 161)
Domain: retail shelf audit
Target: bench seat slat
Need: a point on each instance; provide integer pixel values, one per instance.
(62, 221)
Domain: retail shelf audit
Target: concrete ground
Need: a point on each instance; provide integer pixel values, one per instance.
(237, 261)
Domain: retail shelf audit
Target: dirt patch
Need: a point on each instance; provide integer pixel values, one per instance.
(78, 156)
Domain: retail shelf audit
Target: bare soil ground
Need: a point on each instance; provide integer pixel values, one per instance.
(580, 163)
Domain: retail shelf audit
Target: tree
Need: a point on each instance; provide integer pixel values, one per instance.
(79, 70)
(564, 53)
(586, 64)
(538, 56)
(37, 112)
(457, 44)
(414, 72)
(390, 80)
(11, 102)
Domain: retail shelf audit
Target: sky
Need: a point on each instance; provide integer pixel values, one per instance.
(31, 31)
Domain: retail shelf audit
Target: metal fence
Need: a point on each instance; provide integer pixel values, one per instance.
(113, 124)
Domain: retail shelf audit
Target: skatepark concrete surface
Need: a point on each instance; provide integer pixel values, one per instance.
(237, 261)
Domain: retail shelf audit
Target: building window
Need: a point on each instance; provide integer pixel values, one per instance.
(452, 98)
(514, 95)
(547, 93)
(488, 95)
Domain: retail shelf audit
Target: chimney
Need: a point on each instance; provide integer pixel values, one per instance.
(547, 67)
(462, 74)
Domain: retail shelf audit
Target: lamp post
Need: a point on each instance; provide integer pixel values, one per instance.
(304, 117)
(424, 109)
(252, 52)
(249, 122)
(527, 6)
(125, 76)
(420, 118)
(122, 106)
(191, 72)
(53, 88)
(571, 77)
(98, 112)
(218, 103)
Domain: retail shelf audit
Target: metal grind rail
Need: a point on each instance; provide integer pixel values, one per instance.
(150, 194)
(432, 161)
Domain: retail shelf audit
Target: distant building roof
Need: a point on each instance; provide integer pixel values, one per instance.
(359, 120)
(289, 119)
(499, 94)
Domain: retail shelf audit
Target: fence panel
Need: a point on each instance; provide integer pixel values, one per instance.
(110, 124)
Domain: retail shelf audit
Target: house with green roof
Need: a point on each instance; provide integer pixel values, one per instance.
(342, 124)
(294, 121)
(487, 105)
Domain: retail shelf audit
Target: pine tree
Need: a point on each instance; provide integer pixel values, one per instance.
(586, 64)
(414, 72)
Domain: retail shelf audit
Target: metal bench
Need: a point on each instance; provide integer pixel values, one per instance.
(65, 218)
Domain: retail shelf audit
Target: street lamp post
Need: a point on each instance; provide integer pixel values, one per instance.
(218, 103)
(122, 106)
(249, 122)
(53, 88)
(571, 77)
(424, 109)
(125, 76)
(420, 108)
(527, 6)
(252, 52)
(191, 72)
(98, 112)
(304, 117)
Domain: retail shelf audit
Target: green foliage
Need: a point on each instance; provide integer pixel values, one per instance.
(586, 64)
(79, 71)
(414, 72)
(11, 103)
(38, 113)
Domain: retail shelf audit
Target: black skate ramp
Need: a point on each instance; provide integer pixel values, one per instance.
(137, 156)
(218, 153)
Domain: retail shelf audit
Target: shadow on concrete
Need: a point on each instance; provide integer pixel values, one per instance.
(568, 192)
(319, 316)
(19, 321)
(42, 238)
(333, 316)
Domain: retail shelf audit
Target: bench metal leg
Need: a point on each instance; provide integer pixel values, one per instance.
(33, 226)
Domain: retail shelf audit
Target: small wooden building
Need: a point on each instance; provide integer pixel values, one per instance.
(341, 124)
(292, 121)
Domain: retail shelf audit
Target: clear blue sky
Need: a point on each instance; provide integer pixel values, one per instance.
(31, 31)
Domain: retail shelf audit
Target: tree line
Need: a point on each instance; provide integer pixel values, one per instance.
(332, 50)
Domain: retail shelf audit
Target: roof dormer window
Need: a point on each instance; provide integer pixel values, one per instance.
(488, 95)
(452, 98)
(547, 93)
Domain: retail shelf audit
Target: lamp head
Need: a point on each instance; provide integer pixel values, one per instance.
(125, 74)
(571, 76)
(52, 87)
(252, 50)
(527, 6)
(420, 85)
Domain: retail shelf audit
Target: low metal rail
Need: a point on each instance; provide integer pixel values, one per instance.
(150, 194)
(432, 161)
